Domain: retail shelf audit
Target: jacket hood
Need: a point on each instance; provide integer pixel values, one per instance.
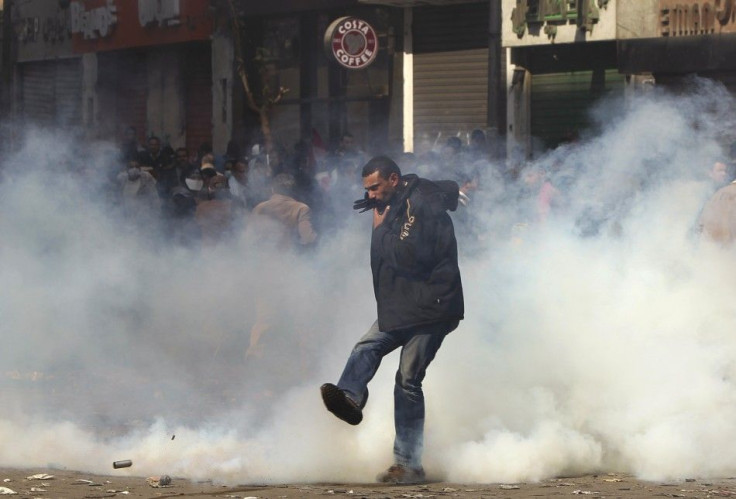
(442, 194)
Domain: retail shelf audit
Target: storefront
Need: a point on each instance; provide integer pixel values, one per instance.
(693, 37)
(450, 72)
(102, 66)
(48, 88)
(324, 98)
(563, 59)
(567, 55)
(429, 79)
(149, 66)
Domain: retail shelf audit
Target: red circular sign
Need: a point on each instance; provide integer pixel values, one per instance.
(352, 42)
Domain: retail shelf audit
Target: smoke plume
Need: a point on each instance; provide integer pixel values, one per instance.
(599, 340)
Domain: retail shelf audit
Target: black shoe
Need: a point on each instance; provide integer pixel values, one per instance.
(340, 404)
(402, 475)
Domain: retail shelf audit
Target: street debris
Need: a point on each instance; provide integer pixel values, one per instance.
(40, 476)
(82, 481)
(584, 492)
(122, 464)
(37, 489)
(509, 487)
(4, 491)
(159, 481)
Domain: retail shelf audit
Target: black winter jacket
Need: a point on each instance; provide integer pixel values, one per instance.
(416, 278)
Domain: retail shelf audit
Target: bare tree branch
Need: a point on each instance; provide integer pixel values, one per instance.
(268, 102)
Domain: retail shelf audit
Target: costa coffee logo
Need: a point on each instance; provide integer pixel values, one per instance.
(352, 42)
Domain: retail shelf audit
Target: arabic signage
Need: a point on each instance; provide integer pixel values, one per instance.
(696, 17)
(115, 24)
(42, 30)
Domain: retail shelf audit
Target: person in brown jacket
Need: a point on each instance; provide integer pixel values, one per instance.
(282, 220)
(280, 224)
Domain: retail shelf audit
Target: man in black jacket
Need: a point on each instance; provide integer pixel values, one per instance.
(419, 296)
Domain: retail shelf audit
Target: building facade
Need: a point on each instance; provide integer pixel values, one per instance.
(323, 99)
(170, 69)
(429, 79)
(452, 71)
(103, 66)
(564, 55)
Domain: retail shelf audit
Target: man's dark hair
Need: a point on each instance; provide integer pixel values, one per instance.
(283, 183)
(478, 135)
(384, 165)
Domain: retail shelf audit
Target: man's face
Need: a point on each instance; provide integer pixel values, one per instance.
(182, 156)
(348, 143)
(379, 188)
(154, 146)
(240, 172)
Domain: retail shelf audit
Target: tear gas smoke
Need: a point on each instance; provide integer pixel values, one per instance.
(600, 340)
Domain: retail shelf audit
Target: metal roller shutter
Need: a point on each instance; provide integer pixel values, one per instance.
(560, 102)
(450, 71)
(38, 93)
(52, 93)
(68, 88)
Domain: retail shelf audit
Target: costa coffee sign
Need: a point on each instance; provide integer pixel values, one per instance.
(352, 42)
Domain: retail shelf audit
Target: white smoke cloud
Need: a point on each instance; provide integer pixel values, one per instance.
(599, 341)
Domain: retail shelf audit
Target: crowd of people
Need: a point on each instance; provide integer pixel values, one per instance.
(204, 198)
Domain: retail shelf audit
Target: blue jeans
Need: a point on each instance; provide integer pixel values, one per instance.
(418, 347)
